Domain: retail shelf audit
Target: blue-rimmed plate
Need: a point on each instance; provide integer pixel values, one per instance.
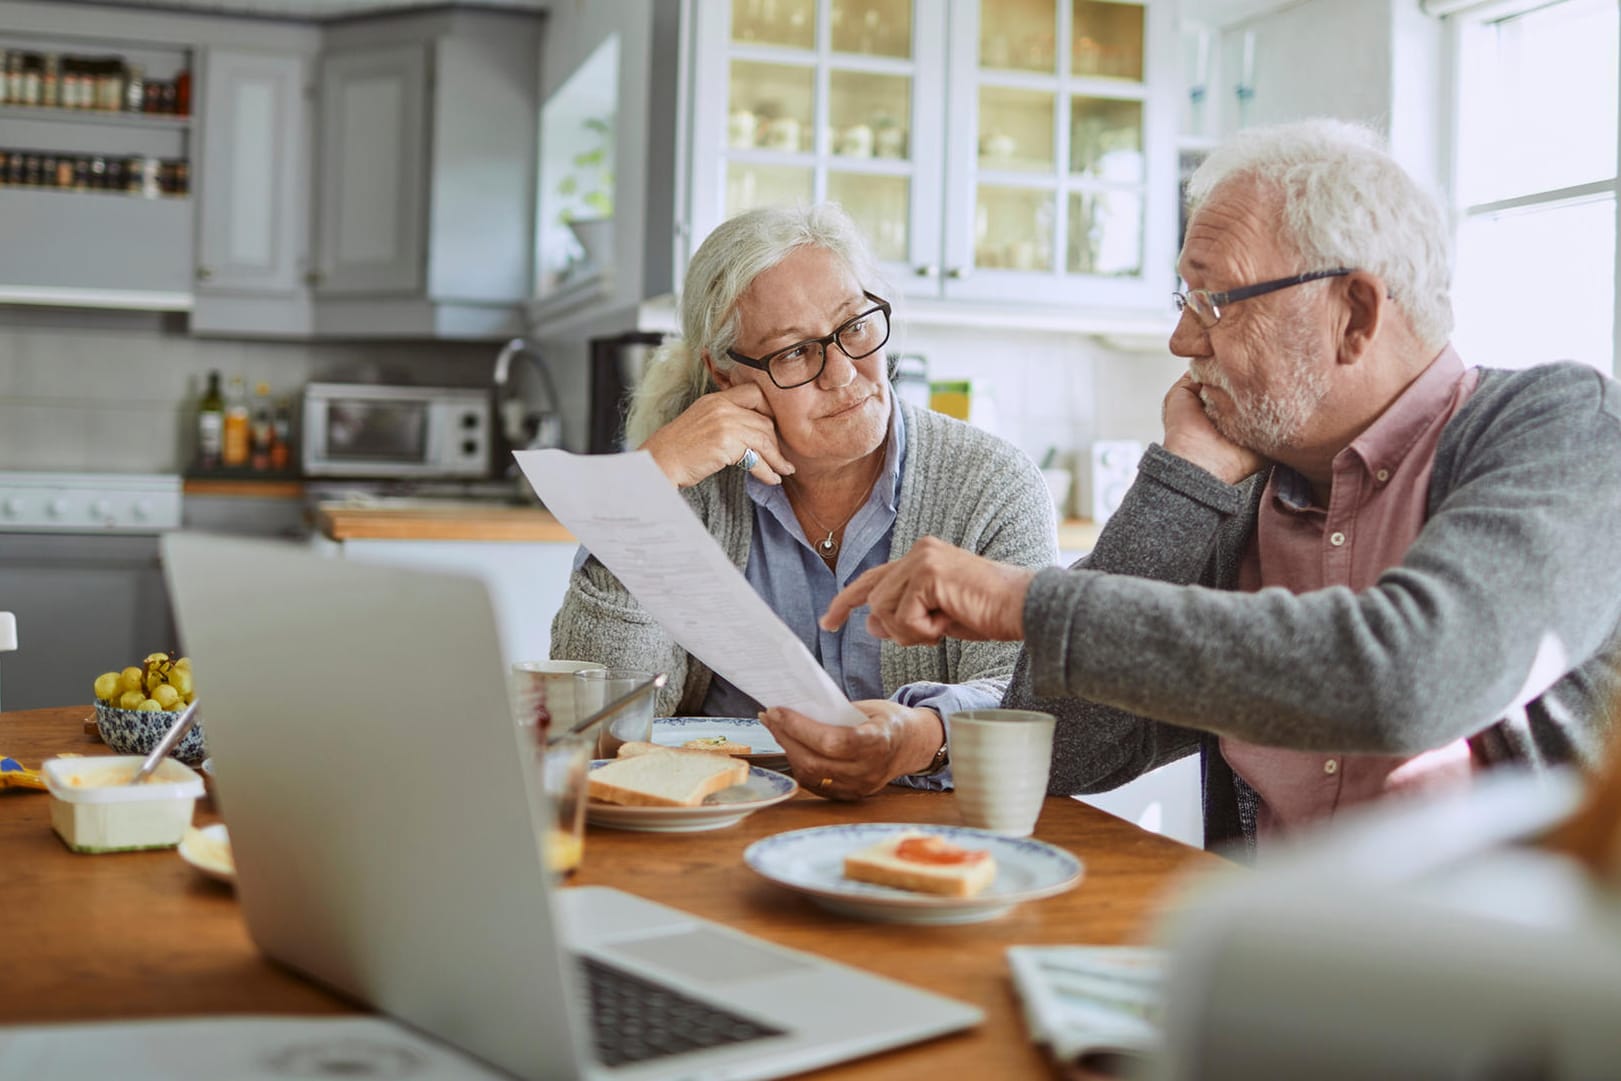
(811, 861)
(724, 808)
(764, 749)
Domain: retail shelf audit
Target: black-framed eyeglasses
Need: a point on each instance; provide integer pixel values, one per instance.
(1207, 306)
(800, 363)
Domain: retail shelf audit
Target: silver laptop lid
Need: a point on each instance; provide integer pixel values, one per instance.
(312, 671)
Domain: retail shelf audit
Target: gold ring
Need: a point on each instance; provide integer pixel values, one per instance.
(825, 782)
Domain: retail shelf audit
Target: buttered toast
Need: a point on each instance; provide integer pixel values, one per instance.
(924, 863)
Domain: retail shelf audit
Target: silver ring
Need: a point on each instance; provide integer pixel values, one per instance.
(748, 461)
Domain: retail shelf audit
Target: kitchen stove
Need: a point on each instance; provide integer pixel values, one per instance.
(80, 568)
(89, 502)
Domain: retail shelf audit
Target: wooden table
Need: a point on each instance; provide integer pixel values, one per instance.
(144, 935)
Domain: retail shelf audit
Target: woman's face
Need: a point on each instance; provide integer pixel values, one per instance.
(841, 415)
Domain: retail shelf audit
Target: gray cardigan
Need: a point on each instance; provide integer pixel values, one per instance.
(1518, 562)
(958, 483)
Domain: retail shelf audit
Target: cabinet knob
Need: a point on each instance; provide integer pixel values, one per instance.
(204, 273)
(926, 270)
(957, 272)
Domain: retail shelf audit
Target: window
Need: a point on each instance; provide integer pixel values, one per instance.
(1535, 184)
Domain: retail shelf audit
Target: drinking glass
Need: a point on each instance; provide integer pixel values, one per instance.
(628, 724)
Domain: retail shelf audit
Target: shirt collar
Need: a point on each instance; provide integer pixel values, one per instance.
(1385, 442)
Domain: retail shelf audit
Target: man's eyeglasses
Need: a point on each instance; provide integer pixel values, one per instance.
(801, 363)
(1207, 306)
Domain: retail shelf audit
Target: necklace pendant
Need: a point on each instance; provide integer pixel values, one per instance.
(827, 546)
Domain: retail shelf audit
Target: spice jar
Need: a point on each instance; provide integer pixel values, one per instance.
(135, 89)
(50, 81)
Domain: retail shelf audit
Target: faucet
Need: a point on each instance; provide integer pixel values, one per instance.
(524, 429)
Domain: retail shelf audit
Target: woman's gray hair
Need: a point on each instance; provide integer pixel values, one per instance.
(1346, 202)
(722, 269)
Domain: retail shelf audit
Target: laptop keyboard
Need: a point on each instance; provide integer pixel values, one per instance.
(634, 1019)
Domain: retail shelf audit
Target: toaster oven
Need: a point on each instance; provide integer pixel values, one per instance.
(363, 430)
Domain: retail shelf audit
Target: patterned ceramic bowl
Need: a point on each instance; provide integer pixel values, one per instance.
(133, 731)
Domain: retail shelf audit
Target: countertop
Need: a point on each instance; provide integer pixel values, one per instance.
(468, 520)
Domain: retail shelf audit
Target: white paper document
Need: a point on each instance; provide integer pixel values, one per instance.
(627, 513)
(242, 1048)
(1091, 1004)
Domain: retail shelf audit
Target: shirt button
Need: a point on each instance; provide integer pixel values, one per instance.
(1336, 538)
(1383, 475)
(1331, 767)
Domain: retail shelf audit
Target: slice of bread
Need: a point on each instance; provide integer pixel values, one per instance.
(665, 778)
(879, 864)
(718, 745)
(640, 747)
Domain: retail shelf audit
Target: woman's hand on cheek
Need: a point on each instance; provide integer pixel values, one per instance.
(843, 762)
(714, 432)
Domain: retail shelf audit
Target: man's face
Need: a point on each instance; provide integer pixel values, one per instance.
(1265, 365)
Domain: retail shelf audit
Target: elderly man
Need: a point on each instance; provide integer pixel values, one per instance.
(1355, 567)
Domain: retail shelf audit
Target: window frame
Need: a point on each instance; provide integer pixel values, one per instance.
(1473, 20)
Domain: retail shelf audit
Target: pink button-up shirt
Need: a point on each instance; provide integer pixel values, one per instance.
(1381, 485)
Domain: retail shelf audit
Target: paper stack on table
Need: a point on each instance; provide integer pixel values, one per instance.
(1091, 1005)
(628, 514)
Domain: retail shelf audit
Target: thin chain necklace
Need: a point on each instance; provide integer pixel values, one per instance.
(827, 547)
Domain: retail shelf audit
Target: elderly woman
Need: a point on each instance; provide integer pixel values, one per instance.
(774, 413)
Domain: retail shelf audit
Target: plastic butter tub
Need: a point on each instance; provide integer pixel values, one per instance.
(95, 809)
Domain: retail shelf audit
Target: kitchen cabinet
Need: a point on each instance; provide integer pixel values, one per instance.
(1022, 152)
(87, 221)
(252, 191)
(425, 175)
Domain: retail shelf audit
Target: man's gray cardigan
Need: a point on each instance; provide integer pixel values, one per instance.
(958, 483)
(1502, 623)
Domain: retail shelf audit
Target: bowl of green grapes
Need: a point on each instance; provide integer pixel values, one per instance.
(137, 705)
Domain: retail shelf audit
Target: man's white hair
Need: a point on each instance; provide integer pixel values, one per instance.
(721, 271)
(1345, 202)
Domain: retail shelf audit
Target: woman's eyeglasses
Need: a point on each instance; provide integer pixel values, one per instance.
(801, 363)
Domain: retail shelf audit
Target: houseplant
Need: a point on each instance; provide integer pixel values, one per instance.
(586, 190)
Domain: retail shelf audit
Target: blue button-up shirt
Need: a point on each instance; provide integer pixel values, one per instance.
(786, 571)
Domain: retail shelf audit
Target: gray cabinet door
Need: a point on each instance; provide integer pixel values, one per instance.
(373, 172)
(254, 175)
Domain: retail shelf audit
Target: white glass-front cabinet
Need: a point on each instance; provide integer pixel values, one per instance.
(1015, 150)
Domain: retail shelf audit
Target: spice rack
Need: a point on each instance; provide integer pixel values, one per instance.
(95, 171)
(94, 117)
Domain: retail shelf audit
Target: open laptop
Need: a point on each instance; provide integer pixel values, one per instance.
(387, 833)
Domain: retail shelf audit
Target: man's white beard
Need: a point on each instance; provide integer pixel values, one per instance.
(1269, 421)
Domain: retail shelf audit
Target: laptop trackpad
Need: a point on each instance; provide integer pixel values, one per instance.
(706, 956)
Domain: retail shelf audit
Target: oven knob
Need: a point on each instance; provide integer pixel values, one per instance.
(56, 508)
(143, 509)
(13, 507)
(101, 509)
(470, 420)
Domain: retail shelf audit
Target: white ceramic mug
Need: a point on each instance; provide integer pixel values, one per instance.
(1000, 759)
(544, 697)
(782, 133)
(856, 141)
(742, 127)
